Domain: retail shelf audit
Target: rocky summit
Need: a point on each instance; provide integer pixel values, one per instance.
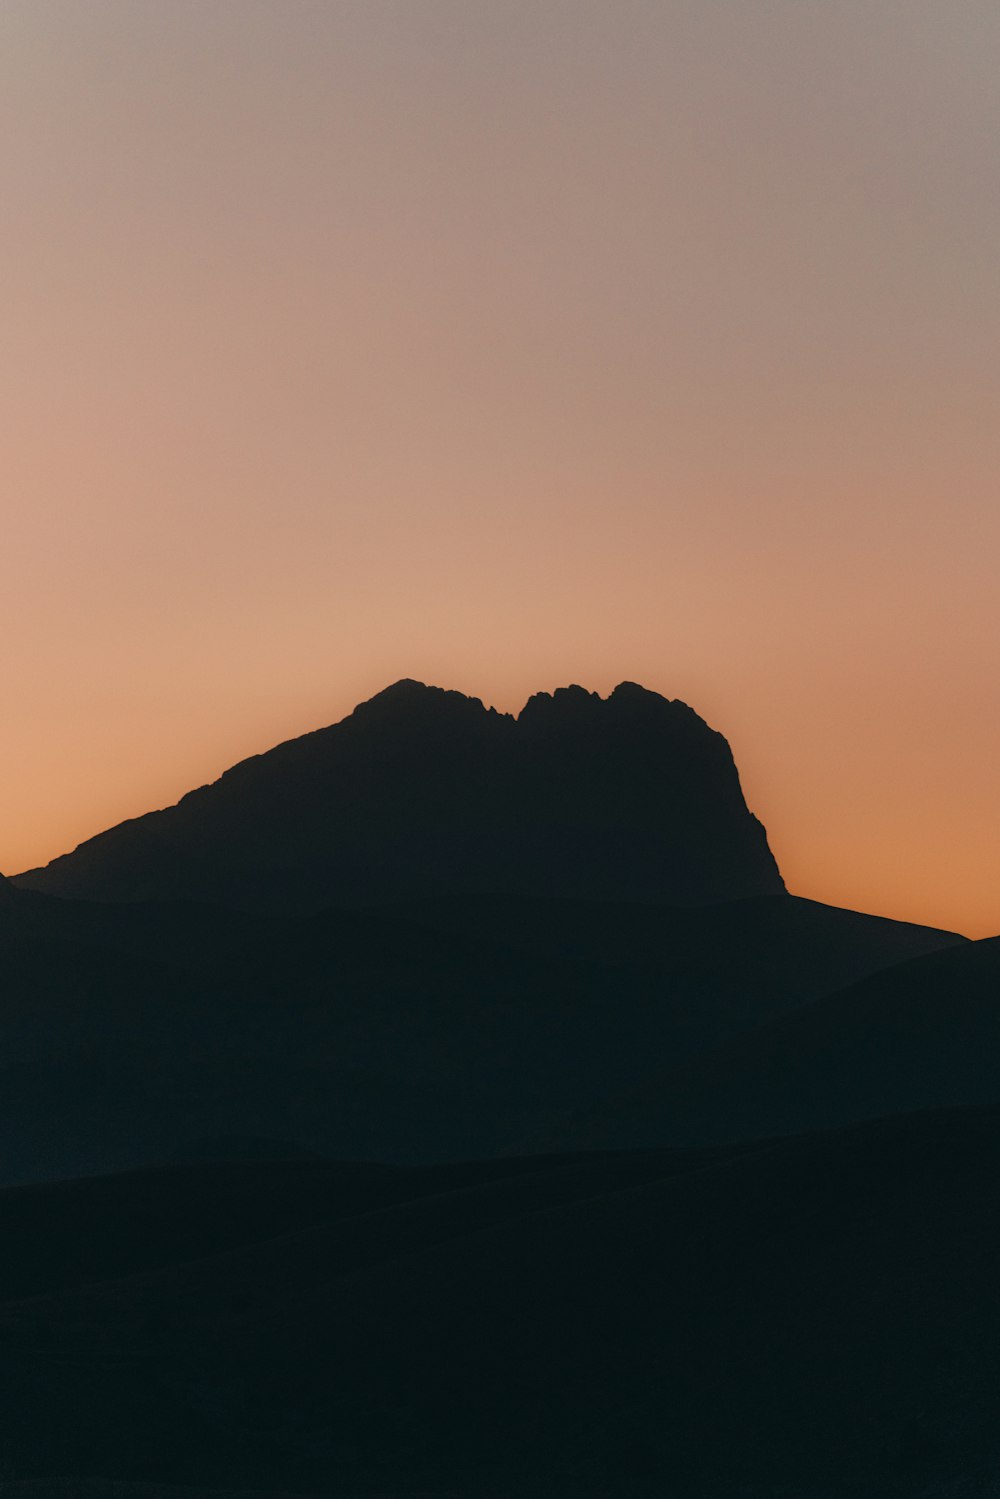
(423, 791)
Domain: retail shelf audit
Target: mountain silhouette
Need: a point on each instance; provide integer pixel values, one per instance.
(435, 1009)
(448, 1103)
(422, 791)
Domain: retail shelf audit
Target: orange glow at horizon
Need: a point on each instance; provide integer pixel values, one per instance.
(504, 346)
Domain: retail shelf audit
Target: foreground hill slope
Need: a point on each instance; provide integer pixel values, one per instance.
(922, 1034)
(421, 791)
(816, 1317)
(407, 1033)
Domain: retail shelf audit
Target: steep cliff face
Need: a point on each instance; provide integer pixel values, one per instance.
(422, 791)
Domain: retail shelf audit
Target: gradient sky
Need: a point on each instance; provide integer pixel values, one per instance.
(503, 344)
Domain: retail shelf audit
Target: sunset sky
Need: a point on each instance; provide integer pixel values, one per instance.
(504, 344)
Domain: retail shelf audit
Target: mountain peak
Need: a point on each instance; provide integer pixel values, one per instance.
(407, 689)
(565, 702)
(422, 790)
(409, 698)
(629, 708)
(633, 692)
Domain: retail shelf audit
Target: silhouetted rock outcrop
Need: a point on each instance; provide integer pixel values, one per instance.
(422, 791)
